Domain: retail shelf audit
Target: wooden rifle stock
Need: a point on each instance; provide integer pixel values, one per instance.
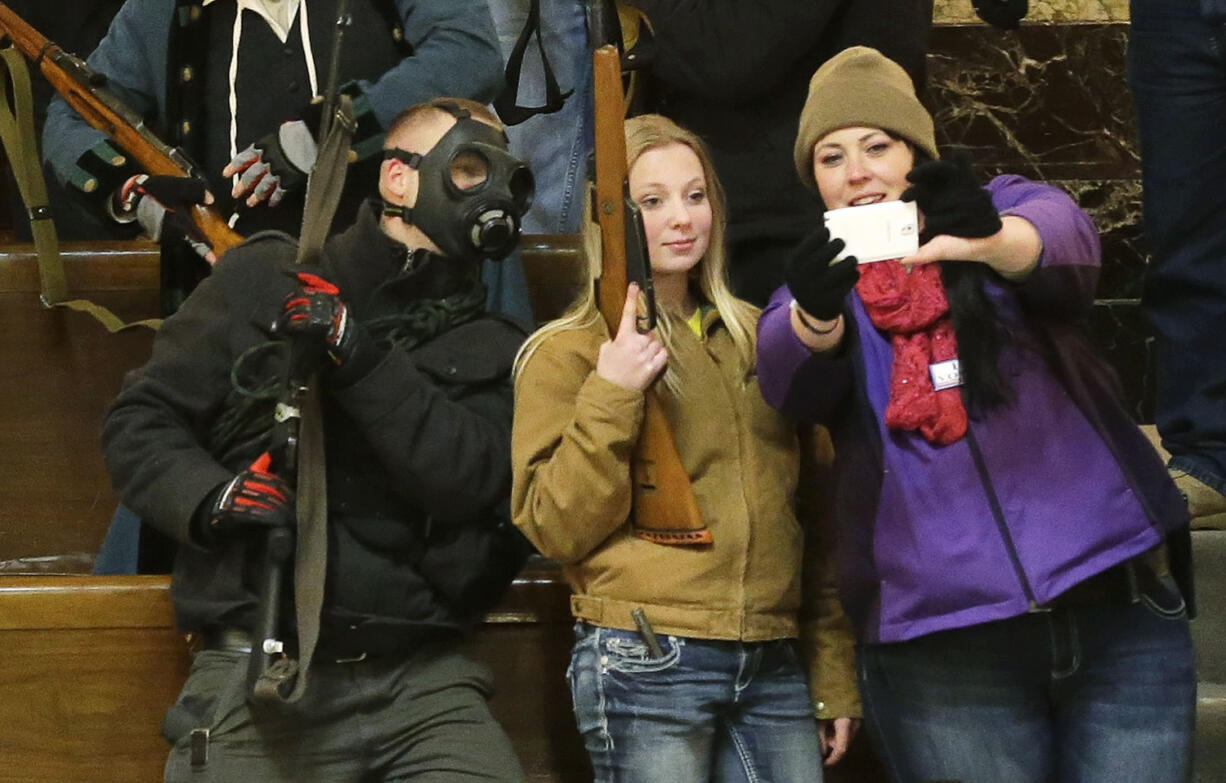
(85, 91)
(665, 508)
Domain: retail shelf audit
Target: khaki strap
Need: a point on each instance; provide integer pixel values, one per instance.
(17, 134)
(311, 558)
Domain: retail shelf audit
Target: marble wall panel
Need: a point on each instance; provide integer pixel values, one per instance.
(1051, 102)
(1047, 101)
(1119, 329)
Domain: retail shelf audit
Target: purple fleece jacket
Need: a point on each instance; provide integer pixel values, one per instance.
(1043, 492)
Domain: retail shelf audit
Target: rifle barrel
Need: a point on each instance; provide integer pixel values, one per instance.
(84, 89)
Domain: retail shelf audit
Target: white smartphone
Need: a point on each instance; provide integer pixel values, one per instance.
(875, 232)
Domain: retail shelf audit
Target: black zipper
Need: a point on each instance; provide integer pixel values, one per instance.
(999, 516)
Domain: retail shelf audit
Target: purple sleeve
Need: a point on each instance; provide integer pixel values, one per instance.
(793, 379)
(1067, 275)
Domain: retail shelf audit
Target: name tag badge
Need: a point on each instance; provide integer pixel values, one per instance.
(946, 374)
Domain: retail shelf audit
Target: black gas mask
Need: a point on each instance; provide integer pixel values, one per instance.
(472, 194)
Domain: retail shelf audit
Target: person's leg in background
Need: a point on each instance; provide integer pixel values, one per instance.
(1177, 71)
(120, 550)
(556, 145)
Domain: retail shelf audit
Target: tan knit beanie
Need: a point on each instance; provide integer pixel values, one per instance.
(860, 87)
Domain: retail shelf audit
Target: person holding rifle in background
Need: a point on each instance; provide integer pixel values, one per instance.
(233, 83)
(686, 665)
(415, 392)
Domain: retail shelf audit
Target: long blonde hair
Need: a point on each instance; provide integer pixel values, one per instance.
(643, 133)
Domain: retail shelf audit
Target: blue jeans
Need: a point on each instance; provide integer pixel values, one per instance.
(704, 711)
(120, 550)
(1177, 71)
(1093, 693)
(555, 146)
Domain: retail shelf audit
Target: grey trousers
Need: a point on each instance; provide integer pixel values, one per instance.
(421, 719)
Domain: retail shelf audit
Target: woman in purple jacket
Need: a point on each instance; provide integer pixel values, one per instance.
(1004, 530)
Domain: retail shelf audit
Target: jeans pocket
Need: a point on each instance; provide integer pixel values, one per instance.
(1161, 596)
(626, 652)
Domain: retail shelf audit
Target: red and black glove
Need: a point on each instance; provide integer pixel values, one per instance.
(316, 313)
(255, 499)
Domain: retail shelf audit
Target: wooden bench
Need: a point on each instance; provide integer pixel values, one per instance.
(88, 665)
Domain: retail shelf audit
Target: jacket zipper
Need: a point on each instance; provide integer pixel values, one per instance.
(999, 516)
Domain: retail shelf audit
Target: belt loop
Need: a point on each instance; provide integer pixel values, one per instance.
(199, 747)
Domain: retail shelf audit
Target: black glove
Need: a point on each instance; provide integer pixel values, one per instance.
(819, 286)
(278, 163)
(316, 313)
(163, 200)
(951, 199)
(255, 499)
(1005, 14)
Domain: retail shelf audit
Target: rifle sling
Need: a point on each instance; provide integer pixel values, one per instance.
(311, 558)
(17, 134)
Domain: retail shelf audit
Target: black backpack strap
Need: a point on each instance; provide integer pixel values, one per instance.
(507, 102)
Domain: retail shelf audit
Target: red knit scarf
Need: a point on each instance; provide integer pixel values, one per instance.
(910, 306)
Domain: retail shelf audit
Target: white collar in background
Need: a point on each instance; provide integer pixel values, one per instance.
(278, 13)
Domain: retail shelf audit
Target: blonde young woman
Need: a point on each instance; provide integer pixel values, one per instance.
(724, 697)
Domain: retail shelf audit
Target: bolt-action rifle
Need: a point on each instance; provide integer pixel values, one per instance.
(85, 90)
(665, 509)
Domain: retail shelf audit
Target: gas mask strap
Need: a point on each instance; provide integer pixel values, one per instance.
(398, 211)
(410, 159)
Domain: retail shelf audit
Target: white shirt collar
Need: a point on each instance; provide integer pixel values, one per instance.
(278, 13)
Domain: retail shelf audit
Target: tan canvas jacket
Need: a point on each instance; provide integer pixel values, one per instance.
(572, 438)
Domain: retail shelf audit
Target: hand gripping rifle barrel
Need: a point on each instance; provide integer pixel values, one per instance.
(84, 89)
(665, 509)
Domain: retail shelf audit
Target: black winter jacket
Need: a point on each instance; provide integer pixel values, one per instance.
(418, 450)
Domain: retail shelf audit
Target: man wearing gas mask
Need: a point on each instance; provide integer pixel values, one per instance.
(415, 400)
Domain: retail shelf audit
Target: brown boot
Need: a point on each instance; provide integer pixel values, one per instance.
(1206, 505)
